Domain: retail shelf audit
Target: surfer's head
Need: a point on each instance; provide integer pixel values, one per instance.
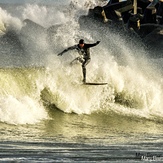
(81, 43)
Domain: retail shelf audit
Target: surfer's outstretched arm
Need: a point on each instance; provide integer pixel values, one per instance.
(92, 45)
(70, 48)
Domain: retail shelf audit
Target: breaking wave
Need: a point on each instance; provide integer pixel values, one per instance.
(41, 79)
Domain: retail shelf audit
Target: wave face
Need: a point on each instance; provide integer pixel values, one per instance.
(35, 79)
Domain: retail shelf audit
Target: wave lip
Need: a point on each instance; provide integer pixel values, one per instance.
(21, 111)
(19, 96)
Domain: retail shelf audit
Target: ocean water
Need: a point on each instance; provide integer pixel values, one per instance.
(48, 115)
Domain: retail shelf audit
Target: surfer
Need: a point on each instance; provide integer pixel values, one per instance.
(84, 52)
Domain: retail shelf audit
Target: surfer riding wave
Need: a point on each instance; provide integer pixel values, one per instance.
(84, 52)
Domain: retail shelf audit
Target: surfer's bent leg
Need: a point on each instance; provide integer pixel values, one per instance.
(78, 59)
(86, 61)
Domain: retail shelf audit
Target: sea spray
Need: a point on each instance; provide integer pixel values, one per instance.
(20, 96)
(104, 63)
(53, 112)
(23, 110)
(9, 22)
(133, 88)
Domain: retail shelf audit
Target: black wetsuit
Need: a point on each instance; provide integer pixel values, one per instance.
(85, 52)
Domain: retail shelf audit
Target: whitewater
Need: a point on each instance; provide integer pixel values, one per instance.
(48, 115)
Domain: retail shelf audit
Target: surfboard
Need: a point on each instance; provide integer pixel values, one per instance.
(95, 83)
